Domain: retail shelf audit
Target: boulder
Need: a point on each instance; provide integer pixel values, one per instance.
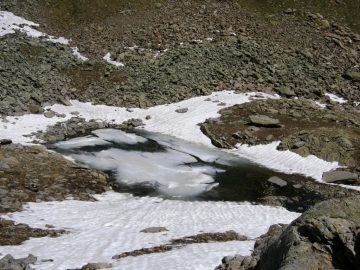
(285, 91)
(277, 181)
(263, 120)
(182, 110)
(324, 237)
(339, 177)
(9, 262)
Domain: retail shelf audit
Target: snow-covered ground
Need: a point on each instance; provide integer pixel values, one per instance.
(110, 226)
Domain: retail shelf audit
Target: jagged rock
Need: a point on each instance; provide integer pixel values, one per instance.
(9, 263)
(182, 110)
(263, 120)
(339, 177)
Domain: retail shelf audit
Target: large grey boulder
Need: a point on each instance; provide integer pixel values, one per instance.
(324, 237)
(263, 120)
(10, 263)
(339, 177)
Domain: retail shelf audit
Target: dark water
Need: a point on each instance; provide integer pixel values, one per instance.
(243, 181)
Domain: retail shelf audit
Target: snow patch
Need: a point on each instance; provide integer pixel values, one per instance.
(336, 98)
(112, 225)
(10, 22)
(108, 59)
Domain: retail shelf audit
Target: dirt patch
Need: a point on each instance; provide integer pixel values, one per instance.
(15, 234)
(177, 243)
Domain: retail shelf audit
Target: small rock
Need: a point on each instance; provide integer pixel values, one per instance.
(298, 145)
(182, 110)
(66, 102)
(49, 114)
(289, 11)
(264, 120)
(5, 141)
(277, 181)
(3, 165)
(325, 23)
(285, 91)
(237, 135)
(154, 230)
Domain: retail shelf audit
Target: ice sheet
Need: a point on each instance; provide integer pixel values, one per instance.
(80, 142)
(170, 172)
(115, 135)
(102, 229)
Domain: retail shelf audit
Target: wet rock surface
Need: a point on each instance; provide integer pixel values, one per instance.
(324, 237)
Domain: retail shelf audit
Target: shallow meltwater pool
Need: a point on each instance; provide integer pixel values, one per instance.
(151, 164)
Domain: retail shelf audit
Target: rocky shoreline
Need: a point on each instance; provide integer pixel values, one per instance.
(172, 51)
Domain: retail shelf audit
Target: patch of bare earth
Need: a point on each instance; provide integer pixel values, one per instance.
(176, 243)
